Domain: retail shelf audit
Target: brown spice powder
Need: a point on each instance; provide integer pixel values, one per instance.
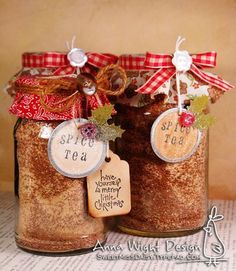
(166, 197)
(52, 211)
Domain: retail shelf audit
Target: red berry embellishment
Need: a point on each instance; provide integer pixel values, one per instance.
(89, 130)
(187, 119)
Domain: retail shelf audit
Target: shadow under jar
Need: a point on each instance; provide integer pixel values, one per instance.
(167, 199)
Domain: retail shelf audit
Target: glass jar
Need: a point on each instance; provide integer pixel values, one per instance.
(167, 199)
(52, 214)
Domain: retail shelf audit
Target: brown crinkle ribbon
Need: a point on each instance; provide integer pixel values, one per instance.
(111, 80)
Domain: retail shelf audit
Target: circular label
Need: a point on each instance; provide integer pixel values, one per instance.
(73, 155)
(171, 141)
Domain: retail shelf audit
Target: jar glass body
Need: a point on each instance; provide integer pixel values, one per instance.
(52, 214)
(167, 199)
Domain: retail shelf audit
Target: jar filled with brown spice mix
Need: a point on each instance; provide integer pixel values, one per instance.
(164, 112)
(52, 212)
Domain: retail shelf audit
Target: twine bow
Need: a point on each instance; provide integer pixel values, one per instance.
(70, 89)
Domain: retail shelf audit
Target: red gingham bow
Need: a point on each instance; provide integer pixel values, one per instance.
(166, 69)
(60, 61)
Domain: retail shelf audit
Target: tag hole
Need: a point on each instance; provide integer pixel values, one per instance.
(108, 159)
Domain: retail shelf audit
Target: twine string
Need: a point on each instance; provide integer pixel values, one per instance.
(178, 42)
(104, 76)
(177, 45)
(69, 89)
(70, 47)
(180, 109)
(108, 158)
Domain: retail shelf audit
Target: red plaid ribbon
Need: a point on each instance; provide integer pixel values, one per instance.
(132, 62)
(166, 70)
(60, 61)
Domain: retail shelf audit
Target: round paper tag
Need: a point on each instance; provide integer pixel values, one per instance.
(171, 141)
(71, 154)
